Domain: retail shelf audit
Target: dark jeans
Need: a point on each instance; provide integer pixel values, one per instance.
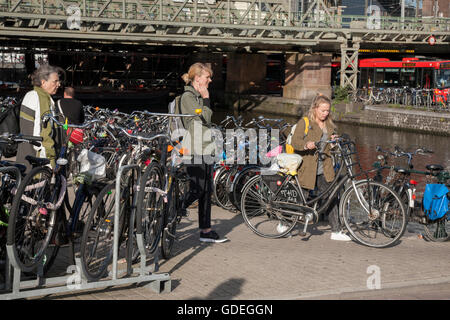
(200, 187)
(333, 209)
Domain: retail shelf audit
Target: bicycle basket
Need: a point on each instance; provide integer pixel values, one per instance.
(289, 162)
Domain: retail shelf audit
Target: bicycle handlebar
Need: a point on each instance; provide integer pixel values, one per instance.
(11, 138)
(85, 125)
(400, 153)
(141, 137)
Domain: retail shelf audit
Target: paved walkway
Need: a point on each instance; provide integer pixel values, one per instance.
(311, 267)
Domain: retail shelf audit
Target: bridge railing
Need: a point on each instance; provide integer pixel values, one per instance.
(246, 13)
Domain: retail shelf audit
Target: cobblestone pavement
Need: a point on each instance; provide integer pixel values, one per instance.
(311, 267)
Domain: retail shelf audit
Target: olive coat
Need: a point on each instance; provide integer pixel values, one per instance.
(308, 169)
(199, 142)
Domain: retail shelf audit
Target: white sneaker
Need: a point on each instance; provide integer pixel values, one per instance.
(281, 228)
(340, 236)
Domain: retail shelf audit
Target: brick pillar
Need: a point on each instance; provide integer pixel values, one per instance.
(427, 8)
(443, 8)
(246, 73)
(306, 75)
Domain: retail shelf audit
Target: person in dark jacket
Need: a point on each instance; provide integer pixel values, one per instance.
(71, 108)
(196, 96)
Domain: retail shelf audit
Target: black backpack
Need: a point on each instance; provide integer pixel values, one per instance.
(9, 123)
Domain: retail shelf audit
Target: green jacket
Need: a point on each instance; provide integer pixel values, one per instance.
(308, 170)
(200, 135)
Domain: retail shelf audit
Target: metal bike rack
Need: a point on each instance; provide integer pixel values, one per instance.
(158, 282)
(16, 171)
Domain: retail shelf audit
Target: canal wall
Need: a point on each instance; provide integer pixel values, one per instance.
(396, 118)
(354, 113)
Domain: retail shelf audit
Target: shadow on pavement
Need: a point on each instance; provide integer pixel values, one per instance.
(189, 238)
(226, 290)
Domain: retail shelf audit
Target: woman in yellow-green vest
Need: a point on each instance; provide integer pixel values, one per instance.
(36, 102)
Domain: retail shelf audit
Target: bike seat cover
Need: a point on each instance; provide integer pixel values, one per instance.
(21, 167)
(35, 161)
(289, 162)
(434, 167)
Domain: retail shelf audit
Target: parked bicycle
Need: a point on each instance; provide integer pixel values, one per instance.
(148, 206)
(399, 178)
(38, 218)
(11, 174)
(373, 213)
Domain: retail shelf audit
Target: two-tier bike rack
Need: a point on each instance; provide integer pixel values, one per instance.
(16, 288)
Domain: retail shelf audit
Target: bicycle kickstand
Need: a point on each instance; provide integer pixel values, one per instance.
(308, 217)
(166, 230)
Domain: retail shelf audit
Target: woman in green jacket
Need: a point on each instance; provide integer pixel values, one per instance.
(315, 172)
(196, 96)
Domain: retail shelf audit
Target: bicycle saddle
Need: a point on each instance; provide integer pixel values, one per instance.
(36, 162)
(402, 170)
(434, 167)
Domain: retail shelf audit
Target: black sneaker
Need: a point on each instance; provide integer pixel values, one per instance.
(211, 236)
(183, 212)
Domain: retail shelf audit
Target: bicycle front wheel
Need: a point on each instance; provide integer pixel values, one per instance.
(31, 224)
(438, 230)
(373, 213)
(171, 220)
(150, 206)
(97, 242)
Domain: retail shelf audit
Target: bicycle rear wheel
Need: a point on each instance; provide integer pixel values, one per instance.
(438, 230)
(31, 224)
(258, 213)
(381, 226)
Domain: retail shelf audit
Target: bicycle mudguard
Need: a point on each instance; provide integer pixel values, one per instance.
(252, 167)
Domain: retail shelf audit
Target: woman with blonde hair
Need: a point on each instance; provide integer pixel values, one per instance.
(318, 172)
(196, 96)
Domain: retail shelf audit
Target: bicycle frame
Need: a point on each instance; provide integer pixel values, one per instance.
(310, 206)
